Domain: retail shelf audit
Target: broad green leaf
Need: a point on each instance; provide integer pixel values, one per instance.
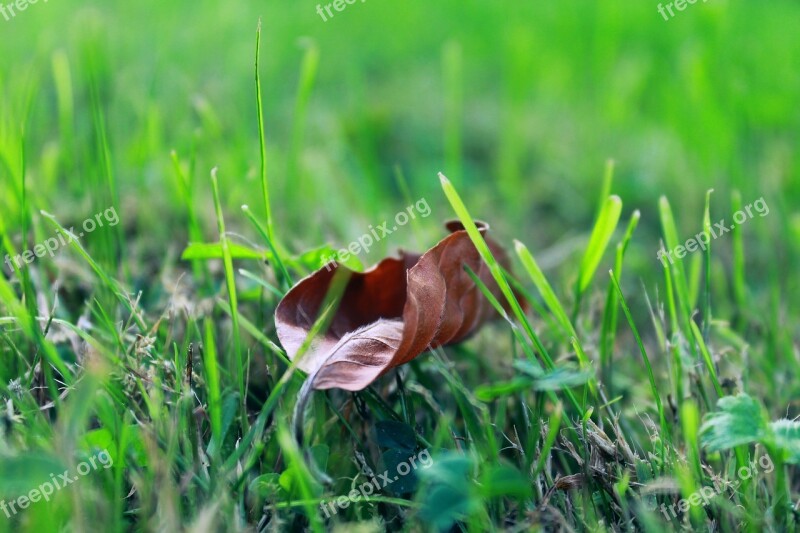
(98, 439)
(396, 461)
(444, 505)
(738, 420)
(396, 435)
(449, 493)
(787, 437)
(22, 473)
(449, 468)
(267, 486)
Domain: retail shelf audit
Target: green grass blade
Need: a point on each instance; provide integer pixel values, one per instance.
(698, 337)
(671, 237)
(645, 358)
(544, 288)
(235, 359)
(707, 231)
(284, 277)
(598, 242)
(605, 189)
(210, 365)
(109, 282)
(739, 290)
(497, 273)
(494, 267)
(262, 144)
(610, 312)
(676, 273)
(552, 433)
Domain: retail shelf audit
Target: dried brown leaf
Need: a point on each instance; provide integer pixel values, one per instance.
(391, 313)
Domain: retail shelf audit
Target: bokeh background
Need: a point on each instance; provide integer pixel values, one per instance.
(519, 103)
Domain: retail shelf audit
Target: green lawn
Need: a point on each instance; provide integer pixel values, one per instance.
(143, 385)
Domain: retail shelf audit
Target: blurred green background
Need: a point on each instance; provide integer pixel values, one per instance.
(519, 103)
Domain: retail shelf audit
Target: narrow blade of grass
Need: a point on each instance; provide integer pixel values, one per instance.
(213, 384)
(712, 372)
(739, 290)
(610, 313)
(603, 229)
(544, 288)
(497, 273)
(283, 275)
(235, 359)
(707, 231)
(645, 359)
(494, 267)
(262, 145)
